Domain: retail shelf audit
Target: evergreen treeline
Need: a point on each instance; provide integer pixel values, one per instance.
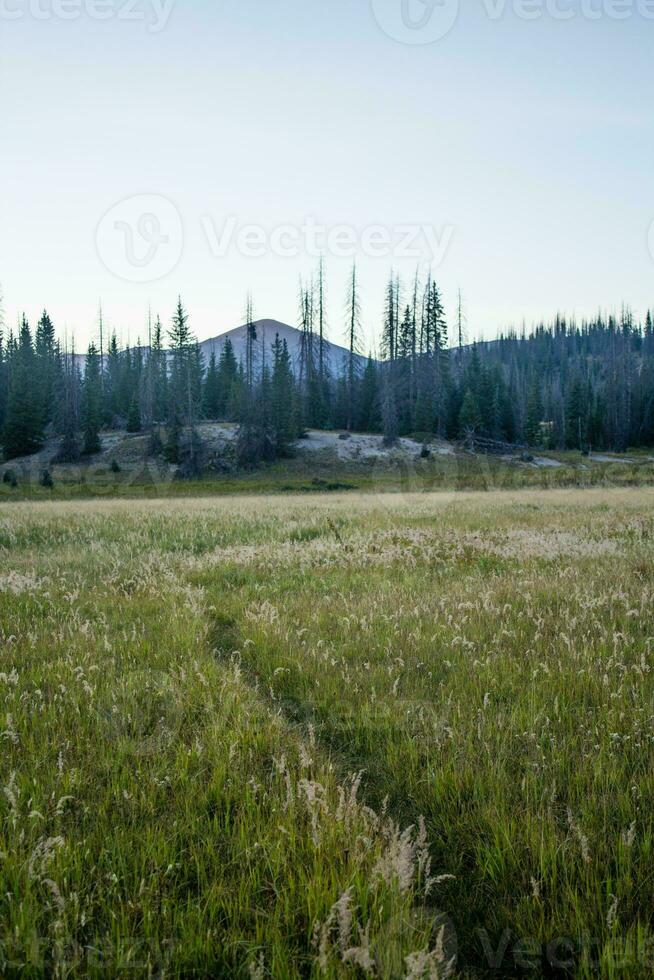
(566, 385)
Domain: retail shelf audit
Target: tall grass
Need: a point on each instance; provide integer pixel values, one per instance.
(387, 735)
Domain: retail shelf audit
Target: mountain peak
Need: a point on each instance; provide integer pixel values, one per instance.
(267, 329)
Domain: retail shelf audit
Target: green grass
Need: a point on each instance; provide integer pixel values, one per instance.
(151, 479)
(234, 731)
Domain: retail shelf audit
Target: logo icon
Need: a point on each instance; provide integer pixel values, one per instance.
(416, 21)
(141, 238)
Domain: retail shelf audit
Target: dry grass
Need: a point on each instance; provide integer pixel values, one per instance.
(291, 736)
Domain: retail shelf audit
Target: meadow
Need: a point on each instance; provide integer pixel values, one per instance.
(148, 478)
(357, 734)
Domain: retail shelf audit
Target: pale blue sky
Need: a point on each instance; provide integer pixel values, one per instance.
(527, 145)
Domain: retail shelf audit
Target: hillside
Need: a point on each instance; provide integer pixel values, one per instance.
(321, 461)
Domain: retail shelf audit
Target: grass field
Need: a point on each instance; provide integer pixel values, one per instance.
(151, 479)
(404, 735)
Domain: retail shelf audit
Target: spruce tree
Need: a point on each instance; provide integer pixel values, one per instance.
(436, 340)
(469, 417)
(92, 403)
(283, 400)
(401, 371)
(369, 419)
(180, 388)
(353, 339)
(112, 382)
(228, 383)
(390, 427)
(126, 383)
(134, 416)
(47, 367)
(4, 374)
(323, 392)
(255, 442)
(3, 380)
(23, 428)
(576, 416)
(159, 374)
(180, 344)
(250, 347)
(390, 326)
(534, 414)
(196, 382)
(211, 394)
(68, 415)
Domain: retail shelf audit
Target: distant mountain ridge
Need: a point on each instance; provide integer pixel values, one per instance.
(335, 355)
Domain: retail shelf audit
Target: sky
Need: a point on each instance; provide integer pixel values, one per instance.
(156, 147)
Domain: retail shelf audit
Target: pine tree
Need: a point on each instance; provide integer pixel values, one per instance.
(250, 345)
(159, 373)
(134, 416)
(595, 434)
(460, 324)
(147, 390)
(437, 340)
(137, 376)
(431, 382)
(576, 416)
(211, 394)
(390, 328)
(413, 385)
(68, 414)
(172, 451)
(47, 367)
(534, 414)
(126, 380)
(323, 391)
(112, 382)
(401, 371)
(312, 375)
(283, 398)
(184, 392)
(229, 384)
(322, 319)
(353, 332)
(4, 377)
(23, 429)
(102, 358)
(196, 382)
(469, 417)
(369, 419)
(390, 427)
(92, 402)
(307, 352)
(255, 442)
(181, 344)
